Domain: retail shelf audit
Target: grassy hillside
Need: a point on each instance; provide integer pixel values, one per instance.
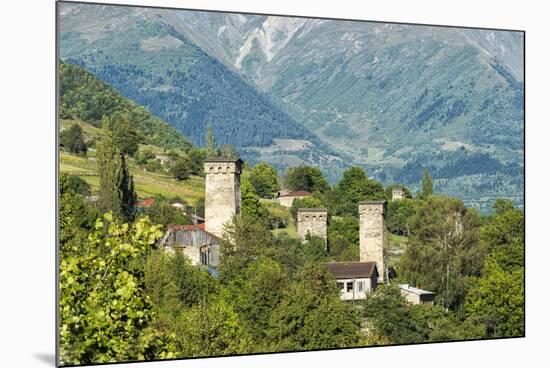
(146, 183)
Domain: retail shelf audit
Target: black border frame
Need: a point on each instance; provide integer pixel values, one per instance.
(57, 173)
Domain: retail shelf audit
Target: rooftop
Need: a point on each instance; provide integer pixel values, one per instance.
(417, 291)
(349, 270)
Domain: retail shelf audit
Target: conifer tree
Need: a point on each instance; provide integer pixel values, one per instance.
(427, 184)
(116, 185)
(210, 143)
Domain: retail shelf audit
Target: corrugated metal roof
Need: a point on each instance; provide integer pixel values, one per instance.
(414, 290)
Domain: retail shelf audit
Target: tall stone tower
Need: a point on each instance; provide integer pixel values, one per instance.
(222, 193)
(373, 237)
(312, 221)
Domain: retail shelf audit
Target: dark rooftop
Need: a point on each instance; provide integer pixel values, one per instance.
(349, 270)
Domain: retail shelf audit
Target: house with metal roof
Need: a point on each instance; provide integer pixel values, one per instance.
(417, 296)
(354, 279)
(287, 198)
(201, 246)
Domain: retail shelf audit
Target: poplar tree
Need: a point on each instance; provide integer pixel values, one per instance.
(116, 185)
(210, 143)
(427, 184)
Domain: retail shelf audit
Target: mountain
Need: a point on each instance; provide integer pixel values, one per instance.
(83, 97)
(150, 62)
(392, 98)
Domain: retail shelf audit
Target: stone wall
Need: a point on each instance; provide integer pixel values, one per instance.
(222, 193)
(312, 221)
(373, 238)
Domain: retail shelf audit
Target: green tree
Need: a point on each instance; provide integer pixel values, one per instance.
(306, 178)
(263, 178)
(160, 283)
(211, 329)
(399, 216)
(502, 205)
(161, 212)
(257, 294)
(72, 139)
(144, 157)
(497, 301)
(195, 284)
(211, 149)
(104, 312)
(116, 185)
(311, 315)
(74, 184)
(387, 314)
(246, 238)
(197, 157)
(182, 168)
(354, 187)
(125, 135)
(251, 204)
(444, 249)
(427, 184)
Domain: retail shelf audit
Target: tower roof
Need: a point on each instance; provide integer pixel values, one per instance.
(312, 209)
(373, 202)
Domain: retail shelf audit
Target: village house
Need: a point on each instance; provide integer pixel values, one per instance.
(179, 206)
(286, 199)
(354, 279)
(202, 247)
(417, 296)
(397, 194)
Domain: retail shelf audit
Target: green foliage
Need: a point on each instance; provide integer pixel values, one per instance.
(306, 178)
(306, 202)
(73, 141)
(182, 167)
(245, 240)
(211, 150)
(84, 97)
(399, 215)
(388, 314)
(502, 205)
(211, 330)
(354, 187)
(263, 178)
(73, 184)
(160, 283)
(444, 249)
(311, 315)
(341, 249)
(256, 294)
(250, 203)
(228, 151)
(144, 156)
(103, 308)
(197, 157)
(116, 185)
(125, 135)
(161, 212)
(427, 184)
(497, 301)
(195, 285)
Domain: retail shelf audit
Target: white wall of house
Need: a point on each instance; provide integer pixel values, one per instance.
(355, 289)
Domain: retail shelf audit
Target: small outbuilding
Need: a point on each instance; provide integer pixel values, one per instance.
(417, 296)
(286, 199)
(354, 279)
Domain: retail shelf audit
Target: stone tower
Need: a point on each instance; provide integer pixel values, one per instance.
(222, 193)
(312, 221)
(373, 236)
(397, 194)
